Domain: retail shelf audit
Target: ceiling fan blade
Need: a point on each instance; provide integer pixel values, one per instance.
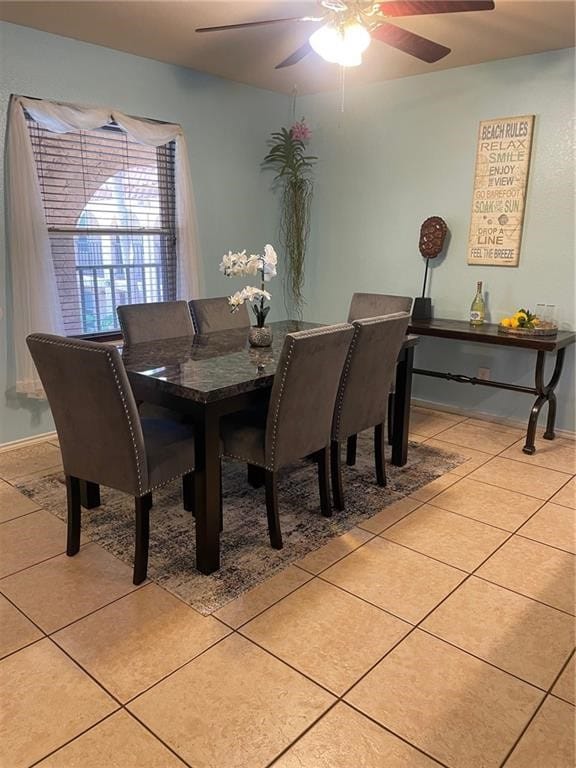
(395, 8)
(295, 57)
(409, 42)
(246, 24)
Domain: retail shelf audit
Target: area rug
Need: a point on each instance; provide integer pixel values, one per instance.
(246, 556)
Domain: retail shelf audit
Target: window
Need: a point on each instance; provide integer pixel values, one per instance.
(110, 210)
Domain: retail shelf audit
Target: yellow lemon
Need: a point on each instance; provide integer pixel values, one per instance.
(521, 316)
(506, 322)
(514, 322)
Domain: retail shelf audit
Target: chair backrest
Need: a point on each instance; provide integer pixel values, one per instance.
(377, 305)
(154, 321)
(362, 399)
(94, 411)
(210, 315)
(304, 392)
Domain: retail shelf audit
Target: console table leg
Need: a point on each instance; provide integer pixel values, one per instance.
(550, 434)
(529, 447)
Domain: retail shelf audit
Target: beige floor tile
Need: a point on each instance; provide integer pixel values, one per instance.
(401, 581)
(390, 515)
(557, 454)
(327, 634)
(64, 589)
(256, 600)
(117, 742)
(566, 684)
(553, 525)
(487, 503)
(414, 438)
(456, 708)
(46, 700)
(243, 706)
(519, 635)
(132, 643)
(27, 461)
(517, 476)
(534, 570)
(430, 423)
(494, 424)
(484, 438)
(16, 630)
(13, 503)
(566, 496)
(28, 540)
(438, 485)
(336, 549)
(549, 739)
(474, 458)
(344, 738)
(451, 538)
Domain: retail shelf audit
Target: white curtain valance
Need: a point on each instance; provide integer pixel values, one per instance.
(36, 302)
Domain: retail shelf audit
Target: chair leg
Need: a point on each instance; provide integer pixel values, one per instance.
(255, 476)
(390, 418)
(142, 506)
(323, 459)
(89, 495)
(379, 454)
(74, 515)
(221, 501)
(188, 491)
(351, 450)
(336, 473)
(272, 509)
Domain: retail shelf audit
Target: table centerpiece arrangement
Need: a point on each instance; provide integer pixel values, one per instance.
(242, 265)
(525, 323)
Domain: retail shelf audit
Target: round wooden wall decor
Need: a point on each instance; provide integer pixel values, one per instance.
(432, 235)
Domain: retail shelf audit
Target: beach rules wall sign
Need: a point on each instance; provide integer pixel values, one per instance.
(500, 182)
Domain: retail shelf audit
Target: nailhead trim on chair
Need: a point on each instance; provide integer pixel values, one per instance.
(124, 404)
(344, 379)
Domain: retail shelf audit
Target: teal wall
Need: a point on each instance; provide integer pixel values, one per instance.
(404, 150)
(226, 126)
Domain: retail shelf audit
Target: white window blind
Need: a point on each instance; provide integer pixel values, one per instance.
(110, 211)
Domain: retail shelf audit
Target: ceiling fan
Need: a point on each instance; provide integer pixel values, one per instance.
(348, 26)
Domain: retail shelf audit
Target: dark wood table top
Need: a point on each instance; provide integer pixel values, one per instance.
(212, 366)
(489, 333)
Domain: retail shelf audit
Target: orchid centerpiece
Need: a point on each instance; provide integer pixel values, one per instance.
(243, 265)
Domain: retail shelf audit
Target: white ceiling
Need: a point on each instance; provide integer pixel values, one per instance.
(164, 30)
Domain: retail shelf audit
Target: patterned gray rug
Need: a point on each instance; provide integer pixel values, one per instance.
(247, 557)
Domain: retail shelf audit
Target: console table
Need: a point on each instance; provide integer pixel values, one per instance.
(461, 330)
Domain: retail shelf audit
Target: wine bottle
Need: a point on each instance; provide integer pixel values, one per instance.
(478, 308)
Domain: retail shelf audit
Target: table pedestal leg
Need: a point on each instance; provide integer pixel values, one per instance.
(402, 397)
(207, 492)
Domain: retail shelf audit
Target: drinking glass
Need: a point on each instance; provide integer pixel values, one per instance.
(550, 314)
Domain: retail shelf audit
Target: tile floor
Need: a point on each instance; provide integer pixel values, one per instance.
(439, 632)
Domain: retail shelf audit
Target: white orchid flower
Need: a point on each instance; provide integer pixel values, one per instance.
(270, 256)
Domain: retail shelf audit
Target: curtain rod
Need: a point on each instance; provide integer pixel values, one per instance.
(67, 103)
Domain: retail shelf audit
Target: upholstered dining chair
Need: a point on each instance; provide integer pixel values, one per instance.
(362, 399)
(102, 437)
(154, 321)
(365, 305)
(210, 315)
(297, 422)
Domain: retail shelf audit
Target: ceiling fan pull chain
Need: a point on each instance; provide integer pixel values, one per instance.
(342, 87)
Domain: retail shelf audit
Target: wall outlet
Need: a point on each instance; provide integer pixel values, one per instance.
(484, 373)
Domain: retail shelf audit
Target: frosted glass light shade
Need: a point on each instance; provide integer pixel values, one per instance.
(342, 46)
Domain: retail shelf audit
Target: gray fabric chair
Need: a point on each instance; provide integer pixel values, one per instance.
(362, 399)
(102, 438)
(377, 305)
(365, 305)
(210, 315)
(157, 320)
(298, 420)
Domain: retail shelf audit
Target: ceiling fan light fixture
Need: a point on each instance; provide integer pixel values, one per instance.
(341, 45)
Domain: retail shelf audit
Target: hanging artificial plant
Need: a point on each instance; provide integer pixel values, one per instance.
(293, 171)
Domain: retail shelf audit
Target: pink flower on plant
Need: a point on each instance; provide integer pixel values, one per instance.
(300, 131)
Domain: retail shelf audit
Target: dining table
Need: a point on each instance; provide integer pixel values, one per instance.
(207, 376)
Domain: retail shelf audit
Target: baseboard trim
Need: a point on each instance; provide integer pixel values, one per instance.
(483, 416)
(25, 441)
